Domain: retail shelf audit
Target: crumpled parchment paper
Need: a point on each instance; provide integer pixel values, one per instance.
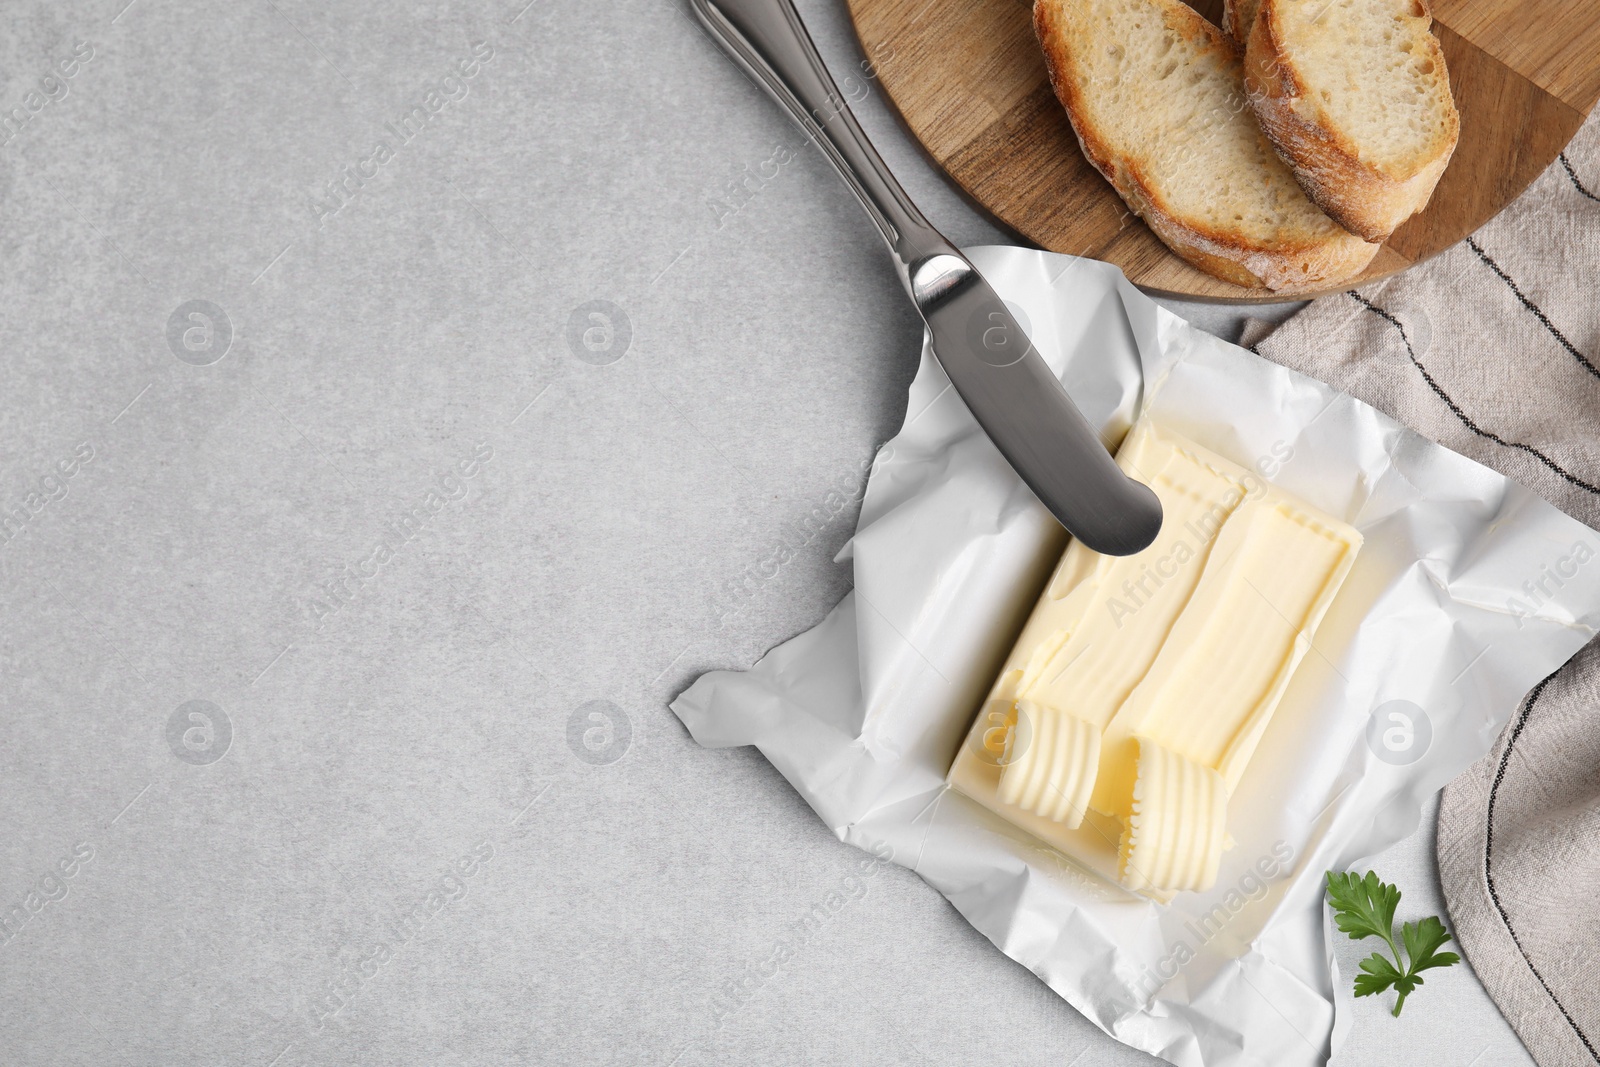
(1469, 589)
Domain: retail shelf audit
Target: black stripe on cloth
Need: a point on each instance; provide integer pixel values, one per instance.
(1488, 863)
(1537, 311)
(1466, 420)
(1567, 164)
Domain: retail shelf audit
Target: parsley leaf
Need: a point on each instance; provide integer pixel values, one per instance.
(1379, 975)
(1365, 907)
(1422, 940)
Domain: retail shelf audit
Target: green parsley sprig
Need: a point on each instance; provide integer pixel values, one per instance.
(1364, 907)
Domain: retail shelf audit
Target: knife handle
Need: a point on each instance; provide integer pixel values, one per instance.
(1018, 401)
(767, 39)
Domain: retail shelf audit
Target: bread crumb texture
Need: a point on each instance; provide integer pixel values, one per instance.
(1373, 70)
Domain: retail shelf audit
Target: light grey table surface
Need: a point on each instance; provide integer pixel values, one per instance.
(376, 515)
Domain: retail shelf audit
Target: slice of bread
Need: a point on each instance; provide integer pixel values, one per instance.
(1355, 96)
(1156, 97)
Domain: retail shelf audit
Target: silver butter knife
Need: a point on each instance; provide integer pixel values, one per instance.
(1006, 384)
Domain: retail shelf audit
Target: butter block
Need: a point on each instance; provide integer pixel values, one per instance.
(1140, 686)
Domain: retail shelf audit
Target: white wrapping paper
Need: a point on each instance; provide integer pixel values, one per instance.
(1469, 589)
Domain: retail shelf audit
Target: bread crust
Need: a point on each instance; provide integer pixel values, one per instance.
(1361, 197)
(1288, 267)
(1237, 18)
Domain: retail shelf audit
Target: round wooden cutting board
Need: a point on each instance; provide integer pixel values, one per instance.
(969, 80)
